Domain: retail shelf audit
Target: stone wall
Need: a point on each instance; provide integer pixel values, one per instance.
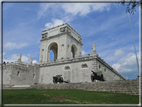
(125, 86)
(20, 74)
(74, 72)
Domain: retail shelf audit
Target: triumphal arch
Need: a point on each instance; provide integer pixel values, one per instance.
(63, 41)
(66, 45)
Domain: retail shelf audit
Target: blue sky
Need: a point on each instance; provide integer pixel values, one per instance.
(105, 24)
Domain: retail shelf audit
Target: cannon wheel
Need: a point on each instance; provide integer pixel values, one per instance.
(61, 80)
(102, 77)
(54, 81)
(92, 79)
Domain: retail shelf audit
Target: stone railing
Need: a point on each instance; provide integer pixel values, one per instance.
(67, 60)
(18, 65)
(124, 86)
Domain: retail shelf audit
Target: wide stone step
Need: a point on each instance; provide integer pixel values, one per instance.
(21, 86)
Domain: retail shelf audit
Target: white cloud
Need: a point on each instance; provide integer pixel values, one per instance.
(83, 52)
(127, 63)
(74, 8)
(116, 66)
(118, 52)
(10, 45)
(14, 58)
(35, 61)
(44, 7)
(55, 22)
(28, 55)
(101, 7)
(84, 8)
(25, 59)
(77, 8)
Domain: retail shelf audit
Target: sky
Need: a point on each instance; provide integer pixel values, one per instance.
(105, 24)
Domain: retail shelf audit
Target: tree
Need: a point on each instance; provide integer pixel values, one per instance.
(131, 5)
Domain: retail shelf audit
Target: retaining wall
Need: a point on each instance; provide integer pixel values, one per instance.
(124, 86)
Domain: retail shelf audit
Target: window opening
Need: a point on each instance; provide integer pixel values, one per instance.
(53, 51)
(33, 75)
(105, 70)
(18, 73)
(99, 66)
(84, 66)
(73, 51)
(51, 56)
(67, 67)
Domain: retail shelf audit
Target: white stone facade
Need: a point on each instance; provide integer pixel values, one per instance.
(62, 40)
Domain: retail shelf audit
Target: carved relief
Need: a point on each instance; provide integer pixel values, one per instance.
(84, 66)
(62, 29)
(65, 29)
(80, 40)
(44, 35)
(67, 67)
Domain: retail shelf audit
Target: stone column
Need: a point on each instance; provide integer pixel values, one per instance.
(20, 56)
(31, 60)
(94, 49)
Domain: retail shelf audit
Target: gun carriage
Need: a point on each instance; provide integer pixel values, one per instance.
(58, 78)
(97, 76)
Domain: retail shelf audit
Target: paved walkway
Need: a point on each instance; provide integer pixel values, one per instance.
(16, 87)
(21, 86)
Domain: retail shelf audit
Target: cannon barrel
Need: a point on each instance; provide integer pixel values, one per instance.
(93, 72)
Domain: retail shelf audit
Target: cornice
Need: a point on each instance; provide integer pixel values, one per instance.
(107, 65)
(62, 25)
(61, 34)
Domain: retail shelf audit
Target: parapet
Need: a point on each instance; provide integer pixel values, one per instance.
(60, 30)
(19, 63)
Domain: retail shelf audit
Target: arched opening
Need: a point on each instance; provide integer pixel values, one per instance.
(53, 52)
(51, 58)
(99, 66)
(73, 51)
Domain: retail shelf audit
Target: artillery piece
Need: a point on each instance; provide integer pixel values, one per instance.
(97, 76)
(58, 78)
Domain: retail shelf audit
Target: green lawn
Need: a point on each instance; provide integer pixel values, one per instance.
(44, 96)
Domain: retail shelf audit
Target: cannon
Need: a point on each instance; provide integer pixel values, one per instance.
(58, 78)
(97, 76)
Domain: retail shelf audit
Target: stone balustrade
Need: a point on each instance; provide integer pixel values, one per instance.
(67, 60)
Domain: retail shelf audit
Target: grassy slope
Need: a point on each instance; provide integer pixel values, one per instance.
(41, 96)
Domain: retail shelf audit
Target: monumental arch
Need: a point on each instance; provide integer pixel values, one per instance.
(66, 45)
(63, 41)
